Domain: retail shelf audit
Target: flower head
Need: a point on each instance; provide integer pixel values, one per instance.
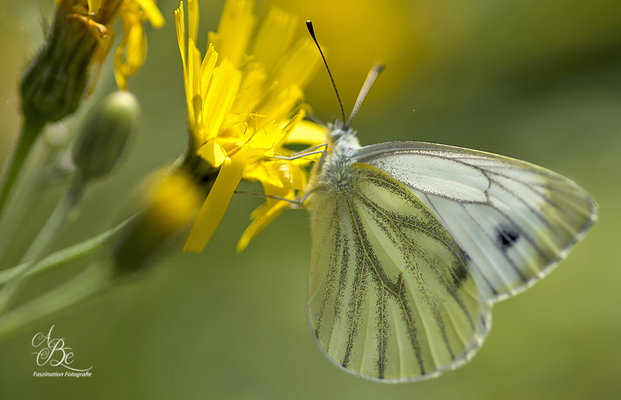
(244, 100)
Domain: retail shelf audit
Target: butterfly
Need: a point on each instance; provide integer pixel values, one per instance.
(413, 242)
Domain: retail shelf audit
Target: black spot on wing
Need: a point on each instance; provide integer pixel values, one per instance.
(506, 236)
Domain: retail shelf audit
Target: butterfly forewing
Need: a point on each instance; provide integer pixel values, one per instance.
(512, 220)
(390, 292)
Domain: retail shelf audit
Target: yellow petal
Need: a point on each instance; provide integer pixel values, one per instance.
(278, 174)
(194, 66)
(132, 51)
(213, 153)
(263, 216)
(236, 26)
(274, 37)
(264, 172)
(207, 68)
(121, 79)
(213, 39)
(285, 193)
(193, 17)
(259, 145)
(258, 172)
(307, 132)
(180, 27)
(296, 177)
(258, 224)
(152, 12)
(220, 97)
(252, 90)
(93, 5)
(281, 105)
(136, 48)
(215, 206)
(267, 137)
(285, 177)
(290, 125)
(299, 64)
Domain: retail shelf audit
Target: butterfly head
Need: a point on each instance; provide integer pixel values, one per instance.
(341, 137)
(337, 129)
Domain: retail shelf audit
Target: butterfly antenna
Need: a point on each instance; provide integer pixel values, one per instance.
(311, 30)
(371, 77)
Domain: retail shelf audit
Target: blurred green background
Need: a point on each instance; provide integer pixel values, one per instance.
(535, 80)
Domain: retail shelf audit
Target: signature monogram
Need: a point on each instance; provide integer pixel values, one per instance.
(53, 351)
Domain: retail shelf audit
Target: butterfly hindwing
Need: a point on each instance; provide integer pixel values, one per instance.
(513, 220)
(390, 293)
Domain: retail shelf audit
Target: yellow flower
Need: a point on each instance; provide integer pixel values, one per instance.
(244, 102)
(99, 15)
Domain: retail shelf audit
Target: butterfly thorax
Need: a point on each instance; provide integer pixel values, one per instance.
(335, 171)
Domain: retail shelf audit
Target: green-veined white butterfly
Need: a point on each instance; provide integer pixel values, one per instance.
(413, 242)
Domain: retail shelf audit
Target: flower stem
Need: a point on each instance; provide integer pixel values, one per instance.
(44, 238)
(55, 221)
(94, 279)
(31, 129)
(65, 256)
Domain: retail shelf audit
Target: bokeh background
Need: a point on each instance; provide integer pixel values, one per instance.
(536, 80)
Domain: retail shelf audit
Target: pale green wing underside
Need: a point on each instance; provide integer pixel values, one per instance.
(512, 220)
(390, 293)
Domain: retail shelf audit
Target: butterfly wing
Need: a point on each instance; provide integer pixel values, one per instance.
(390, 295)
(512, 220)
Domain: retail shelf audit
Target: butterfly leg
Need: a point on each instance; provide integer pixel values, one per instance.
(319, 149)
(295, 203)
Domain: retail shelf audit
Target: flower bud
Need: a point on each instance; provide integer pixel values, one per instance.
(104, 134)
(54, 83)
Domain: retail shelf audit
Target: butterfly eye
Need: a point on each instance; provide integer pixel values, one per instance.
(336, 134)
